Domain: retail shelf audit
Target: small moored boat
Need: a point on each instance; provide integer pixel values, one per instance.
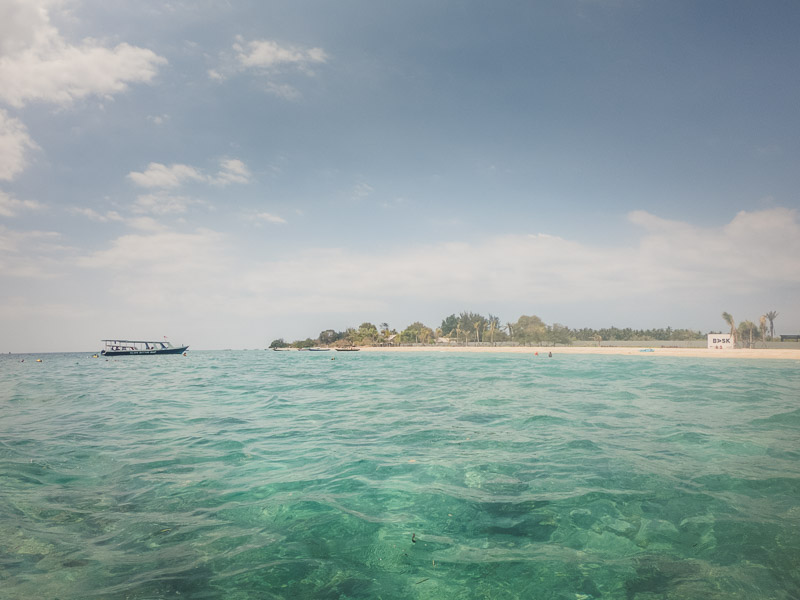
(136, 347)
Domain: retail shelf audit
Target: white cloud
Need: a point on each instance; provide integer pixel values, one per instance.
(755, 249)
(147, 224)
(232, 171)
(11, 207)
(271, 61)
(215, 75)
(37, 64)
(269, 218)
(14, 144)
(161, 204)
(23, 24)
(162, 176)
(267, 54)
(362, 190)
(93, 215)
(672, 262)
(165, 270)
(282, 90)
(146, 252)
(158, 119)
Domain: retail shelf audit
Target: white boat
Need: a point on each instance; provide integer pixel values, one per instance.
(136, 347)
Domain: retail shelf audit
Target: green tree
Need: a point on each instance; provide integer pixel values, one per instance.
(559, 334)
(746, 331)
(468, 321)
(449, 325)
(530, 329)
(306, 343)
(328, 337)
(771, 316)
(279, 343)
(367, 333)
(417, 332)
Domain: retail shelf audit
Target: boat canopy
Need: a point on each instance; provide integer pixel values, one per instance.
(136, 344)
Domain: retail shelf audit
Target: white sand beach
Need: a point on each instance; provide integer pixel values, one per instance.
(762, 353)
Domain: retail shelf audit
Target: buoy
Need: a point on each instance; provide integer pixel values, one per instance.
(38, 360)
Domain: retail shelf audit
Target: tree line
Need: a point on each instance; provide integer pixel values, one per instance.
(469, 327)
(748, 333)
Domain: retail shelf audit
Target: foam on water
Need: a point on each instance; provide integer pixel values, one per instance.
(288, 475)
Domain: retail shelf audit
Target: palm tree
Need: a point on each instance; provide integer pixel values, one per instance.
(458, 332)
(771, 316)
(510, 328)
(492, 327)
(732, 324)
(477, 331)
(762, 325)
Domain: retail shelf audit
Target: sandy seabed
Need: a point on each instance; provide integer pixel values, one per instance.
(767, 353)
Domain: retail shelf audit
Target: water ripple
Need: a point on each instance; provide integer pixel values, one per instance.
(288, 475)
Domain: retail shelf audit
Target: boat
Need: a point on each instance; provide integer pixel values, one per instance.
(348, 349)
(136, 347)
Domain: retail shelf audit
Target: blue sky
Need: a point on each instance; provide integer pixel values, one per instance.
(228, 173)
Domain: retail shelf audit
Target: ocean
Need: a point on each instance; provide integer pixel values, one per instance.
(254, 474)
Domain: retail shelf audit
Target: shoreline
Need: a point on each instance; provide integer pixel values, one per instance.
(757, 353)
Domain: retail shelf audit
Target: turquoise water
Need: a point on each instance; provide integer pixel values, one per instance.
(290, 475)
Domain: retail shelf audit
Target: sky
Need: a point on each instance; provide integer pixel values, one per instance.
(228, 173)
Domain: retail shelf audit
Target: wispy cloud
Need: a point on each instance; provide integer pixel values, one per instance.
(93, 215)
(162, 176)
(232, 171)
(158, 119)
(271, 61)
(32, 254)
(11, 207)
(361, 190)
(266, 217)
(162, 203)
(268, 54)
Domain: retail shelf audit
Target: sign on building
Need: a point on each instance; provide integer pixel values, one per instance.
(720, 341)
